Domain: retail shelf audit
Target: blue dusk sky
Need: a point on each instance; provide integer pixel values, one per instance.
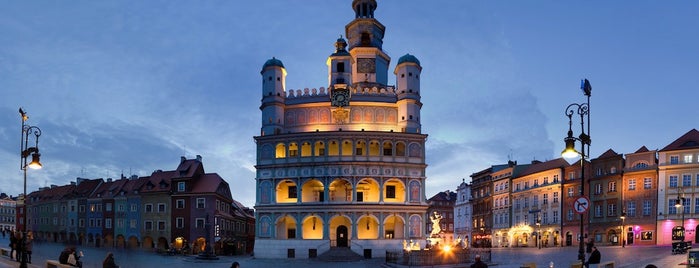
(131, 86)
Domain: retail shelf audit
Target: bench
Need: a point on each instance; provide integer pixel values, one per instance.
(5, 252)
(56, 264)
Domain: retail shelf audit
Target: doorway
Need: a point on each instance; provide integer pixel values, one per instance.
(342, 236)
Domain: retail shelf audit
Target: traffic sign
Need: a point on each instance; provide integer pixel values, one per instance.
(581, 205)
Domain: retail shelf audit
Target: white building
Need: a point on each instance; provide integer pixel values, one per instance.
(342, 166)
(463, 213)
(678, 176)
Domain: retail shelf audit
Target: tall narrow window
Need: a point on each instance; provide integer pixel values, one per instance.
(340, 67)
(390, 191)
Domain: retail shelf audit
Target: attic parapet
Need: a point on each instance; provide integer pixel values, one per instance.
(322, 91)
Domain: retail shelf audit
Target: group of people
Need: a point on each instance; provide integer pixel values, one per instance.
(17, 246)
(71, 256)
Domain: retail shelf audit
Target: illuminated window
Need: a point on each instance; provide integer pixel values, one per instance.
(688, 158)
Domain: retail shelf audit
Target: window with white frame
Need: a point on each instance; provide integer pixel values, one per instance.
(555, 197)
(120, 223)
(201, 203)
(632, 184)
(134, 207)
(674, 159)
(161, 207)
(81, 223)
(673, 181)
(598, 188)
(180, 203)
(688, 159)
(108, 223)
(686, 180)
(148, 225)
(598, 210)
(612, 186)
(631, 209)
(647, 183)
(180, 186)
(570, 215)
(545, 200)
(555, 216)
(611, 210)
(161, 225)
(570, 191)
(647, 206)
(148, 208)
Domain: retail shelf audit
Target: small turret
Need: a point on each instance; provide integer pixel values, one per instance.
(408, 89)
(339, 64)
(273, 96)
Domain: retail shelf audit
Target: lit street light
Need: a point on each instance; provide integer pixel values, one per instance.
(582, 109)
(623, 236)
(26, 151)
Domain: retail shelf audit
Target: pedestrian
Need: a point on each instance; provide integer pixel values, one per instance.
(595, 257)
(13, 245)
(109, 261)
(18, 246)
(235, 265)
(28, 245)
(479, 263)
(70, 256)
(588, 245)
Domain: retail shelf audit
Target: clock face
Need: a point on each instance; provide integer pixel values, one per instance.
(340, 97)
(366, 65)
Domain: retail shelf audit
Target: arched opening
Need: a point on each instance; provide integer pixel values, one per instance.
(280, 151)
(373, 148)
(367, 191)
(341, 236)
(394, 191)
(162, 243)
(335, 223)
(133, 242)
(367, 227)
(387, 148)
(393, 227)
(312, 191)
(346, 148)
(312, 228)
(360, 148)
(108, 240)
(305, 149)
(293, 149)
(319, 148)
(286, 228)
(120, 241)
(287, 192)
(333, 148)
(199, 245)
(340, 191)
(400, 149)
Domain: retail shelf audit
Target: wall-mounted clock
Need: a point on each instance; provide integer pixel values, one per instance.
(366, 65)
(340, 97)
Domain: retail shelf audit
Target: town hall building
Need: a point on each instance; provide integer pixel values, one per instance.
(342, 166)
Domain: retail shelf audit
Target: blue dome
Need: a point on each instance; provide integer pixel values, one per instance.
(408, 58)
(273, 62)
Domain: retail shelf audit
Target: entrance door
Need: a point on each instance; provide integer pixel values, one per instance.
(629, 238)
(569, 239)
(342, 236)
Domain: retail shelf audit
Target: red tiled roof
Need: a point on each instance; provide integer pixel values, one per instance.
(539, 167)
(689, 140)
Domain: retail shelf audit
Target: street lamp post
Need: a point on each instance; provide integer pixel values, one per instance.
(623, 235)
(679, 204)
(26, 151)
(583, 110)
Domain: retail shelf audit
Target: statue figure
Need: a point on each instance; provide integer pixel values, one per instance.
(435, 218)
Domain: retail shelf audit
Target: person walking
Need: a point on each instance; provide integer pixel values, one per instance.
(235, 265)
(109, 261)
(595, 257)
(28, 245)
(479, 263)
(13, 245)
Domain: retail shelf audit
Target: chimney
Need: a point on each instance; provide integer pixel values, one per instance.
(199, 158)
(72, 183)
(182, 159)
(53, 186)
(109, 179)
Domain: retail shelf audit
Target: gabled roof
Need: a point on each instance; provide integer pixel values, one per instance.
(109, 189)
(85, 187)
(607, 154)
(444, 196)
(689, 140)
(539, 167)
(643, 149)
(190, 168)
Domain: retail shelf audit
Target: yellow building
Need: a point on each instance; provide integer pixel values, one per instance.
(536, 205)
(342, 166)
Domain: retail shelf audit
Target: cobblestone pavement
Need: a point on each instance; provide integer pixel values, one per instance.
(631, 257)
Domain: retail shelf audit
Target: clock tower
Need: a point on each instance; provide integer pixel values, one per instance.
(365, 35)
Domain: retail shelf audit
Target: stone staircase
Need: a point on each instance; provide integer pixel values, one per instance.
(340, 254)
